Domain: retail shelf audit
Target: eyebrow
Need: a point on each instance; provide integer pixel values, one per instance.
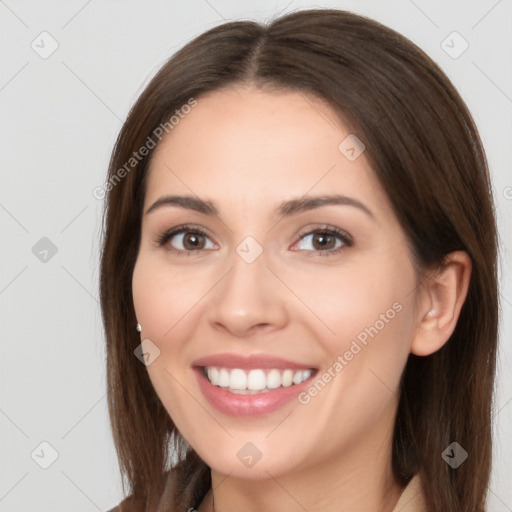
(285, 209)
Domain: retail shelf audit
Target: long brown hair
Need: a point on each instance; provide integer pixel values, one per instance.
(426, 152)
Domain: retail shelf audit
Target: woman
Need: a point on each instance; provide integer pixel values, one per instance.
(298, 277)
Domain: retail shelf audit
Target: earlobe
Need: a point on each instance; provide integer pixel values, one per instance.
(442, 297)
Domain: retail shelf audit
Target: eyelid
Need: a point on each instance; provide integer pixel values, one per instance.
(325, 228)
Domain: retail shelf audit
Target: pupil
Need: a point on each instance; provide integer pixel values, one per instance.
(193, 240)
(324, 239)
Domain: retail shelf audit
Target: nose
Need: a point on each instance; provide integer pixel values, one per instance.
(248, 300)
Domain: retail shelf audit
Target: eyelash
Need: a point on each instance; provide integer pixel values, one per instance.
(325, 230)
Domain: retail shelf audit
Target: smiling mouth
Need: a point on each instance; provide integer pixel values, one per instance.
(255, 381)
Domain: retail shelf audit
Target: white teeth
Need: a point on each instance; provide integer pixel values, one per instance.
(306, 374)
(213, 374)
(248, 391)
(255, 381)
(274, 379)
(223, 378)
(238, 379)
(287, 378)
(297, 377)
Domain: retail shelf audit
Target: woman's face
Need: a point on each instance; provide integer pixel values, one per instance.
(277, 285)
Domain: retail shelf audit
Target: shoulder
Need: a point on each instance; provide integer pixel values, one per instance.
(412, 498)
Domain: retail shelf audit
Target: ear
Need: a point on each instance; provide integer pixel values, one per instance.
(441, 298)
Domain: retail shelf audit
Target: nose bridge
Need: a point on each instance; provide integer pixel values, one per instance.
(247, 281)
(249, 294)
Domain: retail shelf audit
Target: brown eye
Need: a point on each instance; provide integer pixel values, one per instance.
(193, 241)
(186, 240)
(324, 241)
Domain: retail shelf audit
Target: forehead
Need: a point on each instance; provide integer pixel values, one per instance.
(243, 145)
(257, 123)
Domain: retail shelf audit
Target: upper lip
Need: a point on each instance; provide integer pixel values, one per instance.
(251, 361)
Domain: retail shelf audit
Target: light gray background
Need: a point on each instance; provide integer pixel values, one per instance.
(60, 116)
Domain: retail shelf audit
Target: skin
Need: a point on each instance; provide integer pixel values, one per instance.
(247, 151)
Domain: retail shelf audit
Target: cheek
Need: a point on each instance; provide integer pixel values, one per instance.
(362, 300)
(368, 308)
(373, 326)
(370, 313)
(163, 294)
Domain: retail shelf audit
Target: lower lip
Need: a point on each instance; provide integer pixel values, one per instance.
(234, 404)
